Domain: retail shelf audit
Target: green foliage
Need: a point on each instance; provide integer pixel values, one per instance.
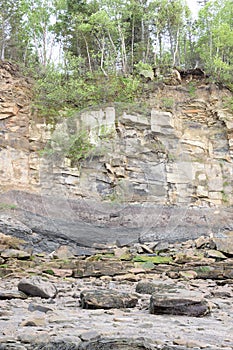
(215, 39)
(49, 272)
(167, 103)
(202, 269)
(144, 69)
(225, 197)
(104, 46)
(4, 266)
(228, 103)
(153, 259)
(7, 206)
(192, 89)
(63, 88)
(79, 147)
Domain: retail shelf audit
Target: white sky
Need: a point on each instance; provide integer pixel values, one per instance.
(194, 6)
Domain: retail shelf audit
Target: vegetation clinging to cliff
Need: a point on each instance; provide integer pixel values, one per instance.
(103, 42)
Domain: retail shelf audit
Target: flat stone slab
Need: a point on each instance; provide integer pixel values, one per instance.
(102, 268)
(145, 287)
(177, 304)
(37, 287)
(15, 253)
(12, 294)
(101, 299)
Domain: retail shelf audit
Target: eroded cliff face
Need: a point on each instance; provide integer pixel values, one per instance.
(178, 150)
(15, 97)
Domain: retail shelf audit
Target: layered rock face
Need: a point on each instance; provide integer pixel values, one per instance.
(169, 156)
(15, 97)
(178, 150)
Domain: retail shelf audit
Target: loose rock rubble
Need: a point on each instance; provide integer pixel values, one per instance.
(177, 297)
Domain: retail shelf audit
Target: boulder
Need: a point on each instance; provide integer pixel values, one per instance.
(177, 304)
(37, 287)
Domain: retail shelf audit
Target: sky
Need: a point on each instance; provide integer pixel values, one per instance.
(194, 6)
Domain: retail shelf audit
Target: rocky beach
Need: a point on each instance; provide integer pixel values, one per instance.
(151, 295)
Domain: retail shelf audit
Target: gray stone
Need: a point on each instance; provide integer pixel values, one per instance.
(178, 305)
(224, 242)
(135, 120)
(36, 307)
(80, 228)
(9, 294)
(37, 287)
(90, 335)
(104, 299)
(16, 346)
(162, 122)
(33, 322)
(145, 288)
(15, 253)
(63, 252)
(215, 254)
(119, 344)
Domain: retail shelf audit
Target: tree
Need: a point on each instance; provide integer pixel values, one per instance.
(215, 38)
(8, 20)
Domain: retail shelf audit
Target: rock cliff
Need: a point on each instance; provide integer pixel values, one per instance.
(171, 148)
(177, 148)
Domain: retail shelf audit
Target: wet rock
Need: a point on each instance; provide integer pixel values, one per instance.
(9, 294)
(35, 286)
(101, 299)
(177, 304)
